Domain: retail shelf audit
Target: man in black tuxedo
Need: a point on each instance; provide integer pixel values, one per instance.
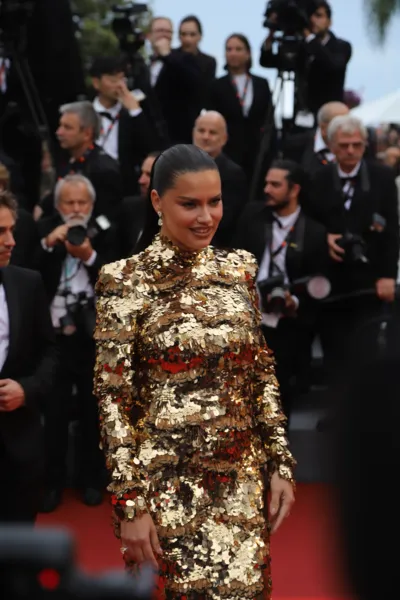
(321, 63)
(28, 365)
(74, 246)
(78, 129)
(175, 77)
(126, 132)
(210, 134)
(355, 197)
(290, 245)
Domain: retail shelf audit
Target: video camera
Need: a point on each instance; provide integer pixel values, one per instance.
(127, 28)
(273, 291)
(291, 16)
(40, 563)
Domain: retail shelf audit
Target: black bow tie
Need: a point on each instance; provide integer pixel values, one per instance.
(106, 115)
(344, 180)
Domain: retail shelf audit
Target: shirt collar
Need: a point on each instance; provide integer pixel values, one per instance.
(114, 110)
(353, 173)
(289, 220)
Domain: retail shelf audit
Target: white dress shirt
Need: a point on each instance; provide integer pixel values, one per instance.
(279, 235)
(108, 139)
(4, 327)
(241, 81)
(75, 279)
(155, 70)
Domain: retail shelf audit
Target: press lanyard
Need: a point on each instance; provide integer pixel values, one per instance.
(109, 130)
(241, 98)
(274, 254)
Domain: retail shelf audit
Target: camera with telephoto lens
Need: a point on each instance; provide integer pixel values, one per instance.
(354, 247)
(126, 26)
(273, 291)
(79, 230)
(81, 313)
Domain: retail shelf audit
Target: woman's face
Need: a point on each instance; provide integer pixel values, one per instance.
(191, 210)
(236, 53)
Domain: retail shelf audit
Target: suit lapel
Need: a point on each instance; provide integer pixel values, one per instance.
(295, 248)
(12, 299)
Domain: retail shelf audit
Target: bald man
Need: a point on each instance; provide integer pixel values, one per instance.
(317, 153)
(210, 134)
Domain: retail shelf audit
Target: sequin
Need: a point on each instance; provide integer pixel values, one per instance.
(190, 414)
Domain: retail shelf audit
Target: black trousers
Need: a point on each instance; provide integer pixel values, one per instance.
(21, 479)
(291, 342)
(77, 353)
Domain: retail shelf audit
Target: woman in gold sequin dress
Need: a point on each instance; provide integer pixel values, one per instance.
(189, 405)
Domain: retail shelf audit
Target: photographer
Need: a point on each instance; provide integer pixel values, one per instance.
(74, 245)
(289, 246)
(321, 60)
(357, 202)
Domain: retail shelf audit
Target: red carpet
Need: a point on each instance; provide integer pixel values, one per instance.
(305, 551)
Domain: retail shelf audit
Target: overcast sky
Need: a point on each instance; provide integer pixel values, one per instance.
(371, 71)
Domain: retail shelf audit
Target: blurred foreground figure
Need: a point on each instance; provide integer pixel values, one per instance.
(369, 453)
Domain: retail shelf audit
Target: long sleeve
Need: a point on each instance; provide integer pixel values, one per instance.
(114, 386)
(40, 381)
(267, 397)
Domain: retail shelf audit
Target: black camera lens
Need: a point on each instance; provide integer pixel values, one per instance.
(76, 235)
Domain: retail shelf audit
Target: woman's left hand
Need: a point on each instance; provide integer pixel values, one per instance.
(282, 500)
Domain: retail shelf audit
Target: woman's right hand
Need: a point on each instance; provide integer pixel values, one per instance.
(140, 539)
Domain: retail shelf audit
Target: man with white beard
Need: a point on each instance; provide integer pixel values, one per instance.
(74, 246)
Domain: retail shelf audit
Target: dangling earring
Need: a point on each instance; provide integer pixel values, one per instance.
(159, 218)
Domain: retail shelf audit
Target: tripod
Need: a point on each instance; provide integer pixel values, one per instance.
(284, 101)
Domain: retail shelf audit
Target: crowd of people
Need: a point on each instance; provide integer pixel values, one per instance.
(324, 234)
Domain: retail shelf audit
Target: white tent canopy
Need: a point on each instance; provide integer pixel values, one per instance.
(380, 112)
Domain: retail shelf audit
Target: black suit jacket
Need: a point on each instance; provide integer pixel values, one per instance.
(208, 68)
(104, 173)
(27, 241)
(136, 139)
(234, 197)
(50, 264)
(244, 133)
(307, 255)
(322, 68)
(177, 89)
(375, 192)
(131, 223)
(31, 359)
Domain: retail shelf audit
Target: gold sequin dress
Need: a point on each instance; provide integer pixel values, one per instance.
(190, 414)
